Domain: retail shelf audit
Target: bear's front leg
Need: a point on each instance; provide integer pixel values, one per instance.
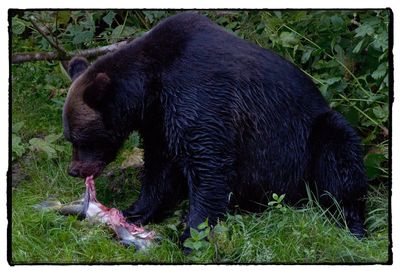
(209, 201)
(210, 173)
(162, 187)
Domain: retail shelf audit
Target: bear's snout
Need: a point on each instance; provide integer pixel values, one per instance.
(85, 169)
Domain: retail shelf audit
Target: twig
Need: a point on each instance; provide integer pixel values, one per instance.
(56, 46)
(385, 130)
(355, 22)
(225, 13)
(331, 57)
(92, 52)
(139, 15)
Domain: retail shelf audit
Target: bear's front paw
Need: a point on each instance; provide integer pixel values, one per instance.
(138, 214)
(133, 215)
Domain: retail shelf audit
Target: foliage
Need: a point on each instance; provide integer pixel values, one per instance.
(344, 52)
(46, 146)
(18, 147)
(277, 202)
(77, 29)
(198, 243)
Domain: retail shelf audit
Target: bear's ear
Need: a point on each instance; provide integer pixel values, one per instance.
(98, 92)
(77, 66)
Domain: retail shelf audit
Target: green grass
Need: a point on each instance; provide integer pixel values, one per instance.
(295, 236)
(302, 235)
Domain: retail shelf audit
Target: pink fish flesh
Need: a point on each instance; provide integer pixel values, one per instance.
(129, 234)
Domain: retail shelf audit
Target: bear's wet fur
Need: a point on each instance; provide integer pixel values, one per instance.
(223, 122)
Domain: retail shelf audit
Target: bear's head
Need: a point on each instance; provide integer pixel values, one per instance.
(95, 142)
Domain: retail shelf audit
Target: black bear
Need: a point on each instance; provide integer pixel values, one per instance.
(222, 121)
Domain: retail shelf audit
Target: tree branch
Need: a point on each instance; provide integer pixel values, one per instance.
(56, 46)
(18, 58)
(62, 54)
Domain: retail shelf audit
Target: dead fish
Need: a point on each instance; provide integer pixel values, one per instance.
(90, 208)
(74, 208)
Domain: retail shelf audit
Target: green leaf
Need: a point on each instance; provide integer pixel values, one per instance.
(189, 243)
(219, 228)
(352, 116)
(288, 39)
(204, 234)
(372, 163)
(232, 25)
(357, 49)
(340, 86)
(306, 55)
(380, 112)
(275, 196)
(172, 227)
(363, 30)
(260, 27)
(89, 23)
(122, 31)
(386, 80)
(281, 197)
(18, 26)
(324, 91)
(108, 19)
(197, 245)
(323, 64)
(52, 138)
(333, 80)
(380, 42)
(340, 52)
(203, 225)
(58, 148)
(278, 14)
(63, 17)
(82, 37)
(38, 144)
(380, 71)
(15, 139)
(336, 21)
(73, 29)
(194, 234)
(18, 149)
(153, 16)
(16, 127)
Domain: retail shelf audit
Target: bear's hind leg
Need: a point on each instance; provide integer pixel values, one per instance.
(336, 167)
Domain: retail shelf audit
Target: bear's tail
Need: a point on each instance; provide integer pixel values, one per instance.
(336, 167)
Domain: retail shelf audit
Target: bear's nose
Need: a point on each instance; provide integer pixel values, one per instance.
(73, 171)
